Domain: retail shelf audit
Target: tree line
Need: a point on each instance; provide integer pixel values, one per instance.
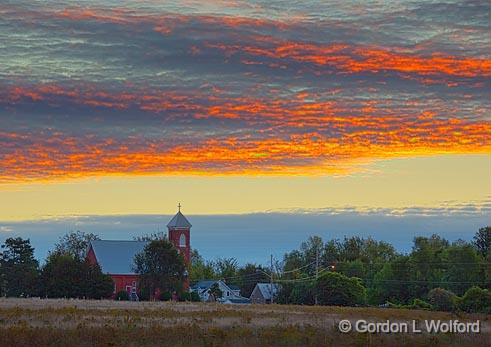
(357, 271)
(352, 271)
(65, 274)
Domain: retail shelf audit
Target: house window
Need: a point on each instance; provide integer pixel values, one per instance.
(182, 241)
(228, 293)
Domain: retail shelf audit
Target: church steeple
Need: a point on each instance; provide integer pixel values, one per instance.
(179, 221)
(180, 234)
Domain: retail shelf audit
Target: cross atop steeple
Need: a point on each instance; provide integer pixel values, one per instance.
(179, 207)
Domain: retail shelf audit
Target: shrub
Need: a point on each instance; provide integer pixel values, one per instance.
(185, 296)
(189, 296)
(144, 294)
(122, 295)
(476, 299)
(165, 296)
(419, 304)
(336, 289)
(442, 299)
(195, 297)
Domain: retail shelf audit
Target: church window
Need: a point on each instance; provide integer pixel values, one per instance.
(182, 241)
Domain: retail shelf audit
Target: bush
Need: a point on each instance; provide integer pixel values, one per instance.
(122, 295)
(336, 289)
(189, 296)
(144, 294)
(442, 299)
(185, 296)
(476, 299)
(419, 304)
(165, 296)
(195, 297)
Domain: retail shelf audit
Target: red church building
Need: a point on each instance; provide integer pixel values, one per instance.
(116, 257)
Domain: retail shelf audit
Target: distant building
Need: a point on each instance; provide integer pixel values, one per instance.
(230, 294)
(264, 292)
(116, 257)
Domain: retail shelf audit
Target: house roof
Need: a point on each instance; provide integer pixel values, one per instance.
(203, 285)
(179, 221)
(233, 287)
(116, 257)
(265, 289)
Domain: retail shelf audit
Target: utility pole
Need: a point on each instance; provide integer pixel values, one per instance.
(271, 280)
(316, 271)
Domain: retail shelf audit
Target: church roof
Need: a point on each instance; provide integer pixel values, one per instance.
(116, 257)
(179, 221)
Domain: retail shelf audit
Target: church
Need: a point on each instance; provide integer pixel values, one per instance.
(116, 257)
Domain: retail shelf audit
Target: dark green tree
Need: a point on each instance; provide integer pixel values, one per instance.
(64, 276)
(392, 283)
(96, 285)
(248, 276)
(482, 241)
(161, 267)
(463, 268)
(427, 264)
(354, 268)
(336, 289)
(476, 300)
(19, 270)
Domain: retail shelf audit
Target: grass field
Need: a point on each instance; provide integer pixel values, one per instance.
(43, 322)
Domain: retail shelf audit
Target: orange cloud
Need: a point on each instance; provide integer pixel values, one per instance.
(354, 59)
(283, 137)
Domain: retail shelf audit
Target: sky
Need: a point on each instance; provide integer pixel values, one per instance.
(237, 108)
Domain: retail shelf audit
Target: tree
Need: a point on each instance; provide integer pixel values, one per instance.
(64, 276)
(354, 268)
(482, 240)
(336, 289)
(464, 268)
(226, 268)
(392, 283)
(476, 299)
(427, 264)
(299, 293)
(200, 269)
(160, 266)
(351, 248)
(331, 253)
(159, 235)
(442, 299)
(97, 285)
(18, 268)
(248, 276)
(215, 291)
(75, 243)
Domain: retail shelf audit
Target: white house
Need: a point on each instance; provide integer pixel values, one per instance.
(230, 294)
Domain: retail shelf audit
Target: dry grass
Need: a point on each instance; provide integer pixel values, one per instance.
(26, 322)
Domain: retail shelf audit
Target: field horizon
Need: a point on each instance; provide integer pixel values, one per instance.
(70, 322)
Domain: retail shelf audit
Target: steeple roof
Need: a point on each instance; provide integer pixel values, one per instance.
(179, 222)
